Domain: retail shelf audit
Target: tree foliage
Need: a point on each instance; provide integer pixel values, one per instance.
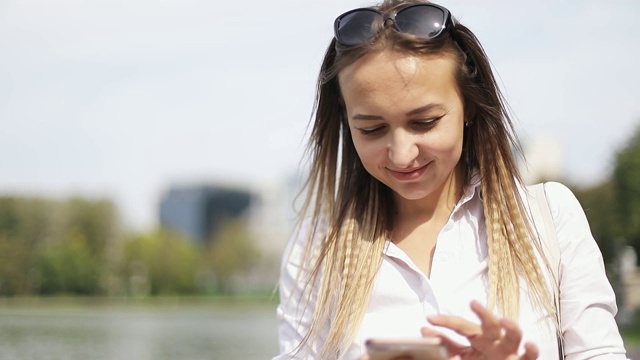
(24, 224)
(599, 203)
(76, 246)
(626, 180)
(161, 262)
(53, 246)
(232, 252)
(96, 221)
(69, 267)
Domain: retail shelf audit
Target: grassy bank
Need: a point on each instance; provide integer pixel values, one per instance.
(218, 300)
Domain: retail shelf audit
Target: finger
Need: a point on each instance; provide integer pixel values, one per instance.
(457, 324)
(490, 324)
(427, 331)
(453, 348)
(512, 336)
(531, 352)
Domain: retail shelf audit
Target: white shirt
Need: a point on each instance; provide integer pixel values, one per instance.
(403, 296)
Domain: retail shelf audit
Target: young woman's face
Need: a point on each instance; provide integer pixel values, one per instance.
(406, 120)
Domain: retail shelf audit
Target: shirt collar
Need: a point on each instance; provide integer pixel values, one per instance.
(470, 191)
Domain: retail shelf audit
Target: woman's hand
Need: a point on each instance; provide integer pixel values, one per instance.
(494, 338)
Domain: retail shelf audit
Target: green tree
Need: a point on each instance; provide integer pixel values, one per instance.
(50, 246)
(626, 180)
(599, 202)
(162, 262)
(232, 252)
(75, 258)
(25, 223)
(69, 267)
(96, 220)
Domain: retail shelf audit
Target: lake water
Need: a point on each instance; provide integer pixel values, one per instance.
(169, 330)
(138, 332)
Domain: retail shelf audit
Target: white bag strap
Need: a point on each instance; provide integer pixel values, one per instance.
(543, 221)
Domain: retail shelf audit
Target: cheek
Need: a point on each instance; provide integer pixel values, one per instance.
(367, 152)
(371, 153)
(444, 144)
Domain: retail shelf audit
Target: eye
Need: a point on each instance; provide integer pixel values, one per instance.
(371, 131)
(426, 124)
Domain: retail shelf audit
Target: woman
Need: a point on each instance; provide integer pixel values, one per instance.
(416, 220)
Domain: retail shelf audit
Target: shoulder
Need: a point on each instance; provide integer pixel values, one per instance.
(570, 221)
(560, 194)
(569, 218)
(561, 201)
(565, 206)
(586, 296)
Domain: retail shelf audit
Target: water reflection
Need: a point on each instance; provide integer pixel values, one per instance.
(140, 333)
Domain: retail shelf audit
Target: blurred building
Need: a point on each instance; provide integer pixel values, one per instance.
(198, 210)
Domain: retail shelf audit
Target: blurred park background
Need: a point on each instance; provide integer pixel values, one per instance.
(150, 158)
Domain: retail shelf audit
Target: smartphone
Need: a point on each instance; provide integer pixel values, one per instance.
(426, 348)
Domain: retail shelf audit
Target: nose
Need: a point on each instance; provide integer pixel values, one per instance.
(403, 149)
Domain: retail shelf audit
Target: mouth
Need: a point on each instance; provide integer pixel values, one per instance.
(409, 174)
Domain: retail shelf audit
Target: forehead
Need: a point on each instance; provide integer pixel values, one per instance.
(389, 71)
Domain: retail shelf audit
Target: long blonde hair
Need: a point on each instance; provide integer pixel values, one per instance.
(356, 209)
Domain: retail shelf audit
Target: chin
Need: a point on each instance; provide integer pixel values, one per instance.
(411, 195)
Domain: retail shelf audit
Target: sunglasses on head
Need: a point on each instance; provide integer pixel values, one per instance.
(358, 26)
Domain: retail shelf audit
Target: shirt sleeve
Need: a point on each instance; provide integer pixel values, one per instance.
(297, 306)
(587, 300)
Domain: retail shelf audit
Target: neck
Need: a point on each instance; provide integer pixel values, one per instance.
(440, 202)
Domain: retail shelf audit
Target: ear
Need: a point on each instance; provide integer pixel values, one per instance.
(469, 113)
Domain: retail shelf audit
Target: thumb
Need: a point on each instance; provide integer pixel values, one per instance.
(453, 348)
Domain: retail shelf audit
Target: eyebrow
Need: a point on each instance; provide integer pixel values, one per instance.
(410, 113)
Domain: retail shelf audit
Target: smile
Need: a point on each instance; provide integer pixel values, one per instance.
(408, 174)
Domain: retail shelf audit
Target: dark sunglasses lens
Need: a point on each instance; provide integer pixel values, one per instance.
(424, 21)
(355, 27)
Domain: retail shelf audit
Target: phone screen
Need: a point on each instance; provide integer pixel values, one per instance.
(429, 348)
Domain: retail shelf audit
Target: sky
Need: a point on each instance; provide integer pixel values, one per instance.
(125, 98)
